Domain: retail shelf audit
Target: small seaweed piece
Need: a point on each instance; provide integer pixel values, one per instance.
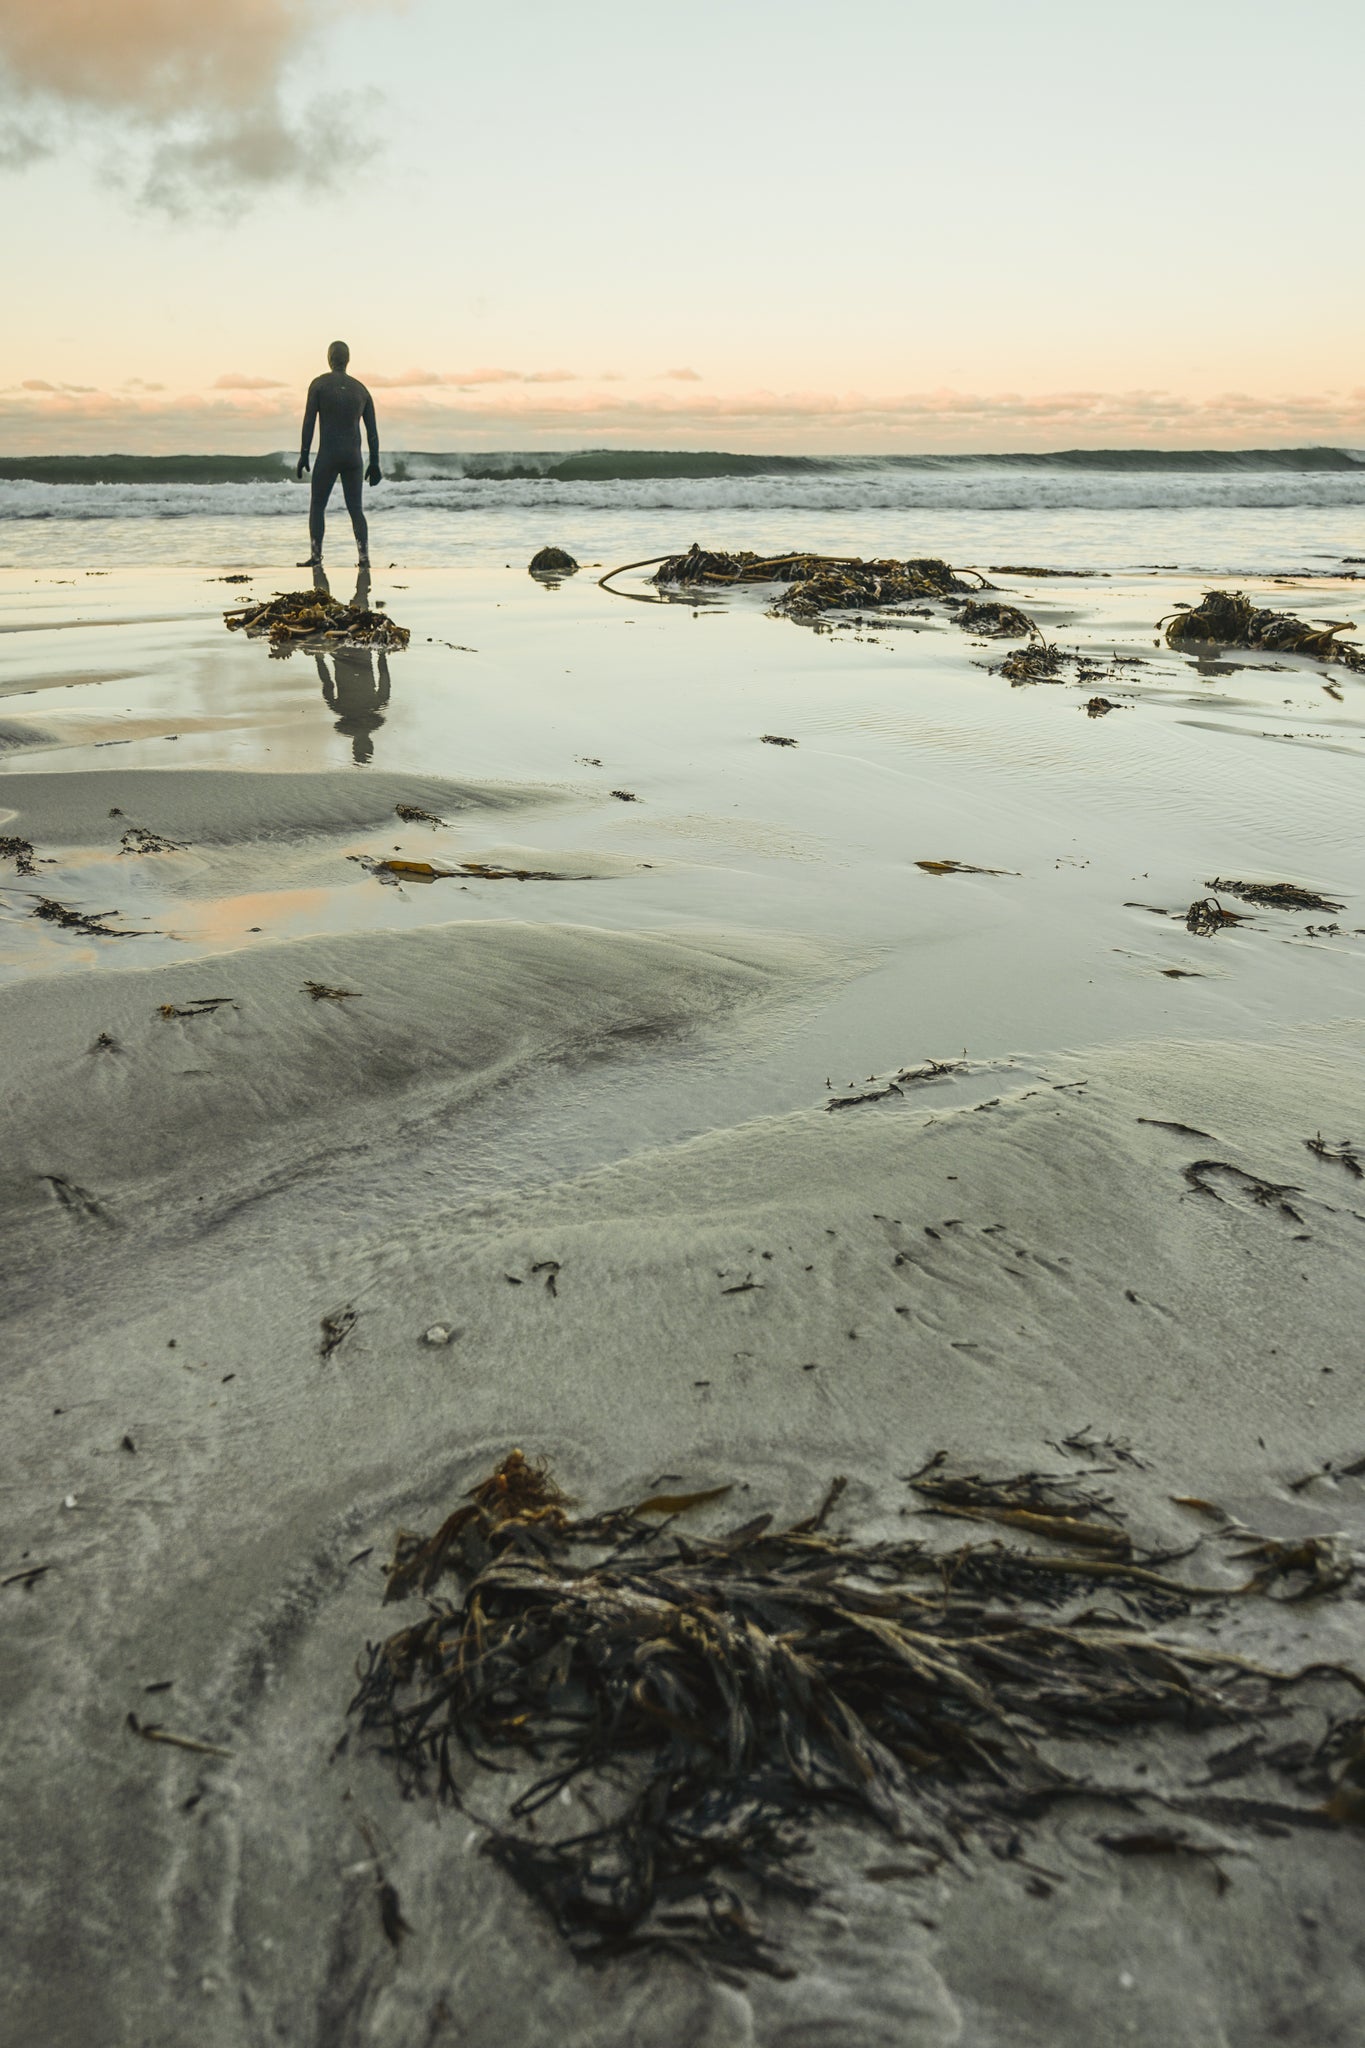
(1265, 1194)
(996, 621)
(413, 814)
(1341, 1154)
(90, 922)
(1206, 915)
(1039, 662)
(958, 867)
(1276, 895)
(776, 739)
(20, 851)
(336, 1327)
(1096, 707)
(137, 839)
(322, 992)
(552, 562)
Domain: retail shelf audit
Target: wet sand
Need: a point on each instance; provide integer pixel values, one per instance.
(625, 1071)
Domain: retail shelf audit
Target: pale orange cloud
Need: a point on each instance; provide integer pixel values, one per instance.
(234, 381)
(511, 408)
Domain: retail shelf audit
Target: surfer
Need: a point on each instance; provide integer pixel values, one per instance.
(337, 403)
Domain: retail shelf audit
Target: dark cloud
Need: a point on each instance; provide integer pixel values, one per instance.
(191, 87)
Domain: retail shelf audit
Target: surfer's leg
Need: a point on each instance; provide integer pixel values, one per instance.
(324, 476)
(353, 485)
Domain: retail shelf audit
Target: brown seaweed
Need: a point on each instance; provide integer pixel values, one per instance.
(1230, 619)
(709, 1696)
(1207, 915)
(995, 621)
(1039, 662)
(1341, 1154)
(1276, 895)
(817, 584)
(311, 618)
(92, 923)
(20, 851)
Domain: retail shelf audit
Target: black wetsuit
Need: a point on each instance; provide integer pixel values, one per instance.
(337, 403)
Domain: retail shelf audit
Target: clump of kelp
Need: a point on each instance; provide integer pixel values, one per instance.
(816, 584)
(310, 618)
(1229, 618)
(708, 1696)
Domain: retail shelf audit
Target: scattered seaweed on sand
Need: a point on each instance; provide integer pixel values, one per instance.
(1230, 619)
(413, 814)
(90, 922)
(20, 851)
(776, 739)
(323, 992)
(707, 1697)
(908, 1077)
(1343, 1153)
(995, 621)
(553, 562)
(1015, 569)
(958, 867)
(1275, 895)
(1096, 707)
(1206, 915)
(198, 1006)
(816, 584)
(1039, 662)
(310, 618)
(1266, 1194)
(1059, 1509)
(137, 839)
(625, 796)
(336, 1328)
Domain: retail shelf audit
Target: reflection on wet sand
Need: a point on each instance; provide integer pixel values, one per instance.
(351, 687)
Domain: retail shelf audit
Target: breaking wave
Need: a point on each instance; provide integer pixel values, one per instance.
(617, 480)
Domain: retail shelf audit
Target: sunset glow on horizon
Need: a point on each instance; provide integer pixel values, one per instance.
(758, 231)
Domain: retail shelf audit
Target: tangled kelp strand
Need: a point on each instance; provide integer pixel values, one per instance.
(703, 1698)
(995, 621)
(1230, 619)
(1277, 895)
(816, 584)
(307, 618)
(20, 851)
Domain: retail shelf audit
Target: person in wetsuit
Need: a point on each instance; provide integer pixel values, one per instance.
(337, 403)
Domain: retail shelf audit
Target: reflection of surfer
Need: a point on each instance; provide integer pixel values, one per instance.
(351, 688)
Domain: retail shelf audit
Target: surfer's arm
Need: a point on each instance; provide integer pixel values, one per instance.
(372, 437)
(310, 420)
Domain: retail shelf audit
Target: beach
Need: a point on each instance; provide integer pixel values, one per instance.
(844, 1084)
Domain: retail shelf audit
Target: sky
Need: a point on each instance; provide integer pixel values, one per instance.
(749, 224)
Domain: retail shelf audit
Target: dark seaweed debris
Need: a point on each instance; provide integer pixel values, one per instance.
(1039, 662)
(1229, 618)
(996, 621)
(1277, 895)
(552, 562)
(310, 618)
(90, 922)
(710, 1696)
(1342, 1154)
(818, 583)
(1206, 915)
(20, 851)
(137, 839)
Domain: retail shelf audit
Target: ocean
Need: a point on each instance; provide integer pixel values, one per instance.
(1254, 511)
